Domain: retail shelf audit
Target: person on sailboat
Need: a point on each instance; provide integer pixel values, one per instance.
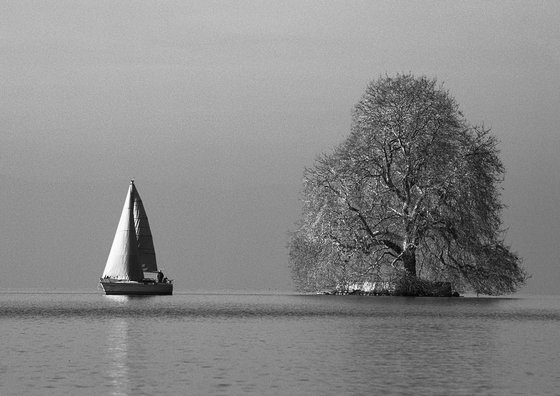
(159, 276)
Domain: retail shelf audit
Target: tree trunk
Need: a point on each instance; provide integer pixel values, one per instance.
(409, 261)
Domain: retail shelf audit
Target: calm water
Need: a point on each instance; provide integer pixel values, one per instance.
(198, 344)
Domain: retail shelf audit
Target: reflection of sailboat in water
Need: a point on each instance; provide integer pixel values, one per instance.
(132, 254)
(118, 353)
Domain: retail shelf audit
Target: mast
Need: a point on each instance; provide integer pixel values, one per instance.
(123, 261)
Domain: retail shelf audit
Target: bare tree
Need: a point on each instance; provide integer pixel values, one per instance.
(415, 188)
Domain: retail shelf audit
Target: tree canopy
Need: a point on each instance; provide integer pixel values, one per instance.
(413, 191)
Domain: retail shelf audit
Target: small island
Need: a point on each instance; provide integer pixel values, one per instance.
(409, 202)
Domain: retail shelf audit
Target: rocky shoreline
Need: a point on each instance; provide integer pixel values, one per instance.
(406, 287)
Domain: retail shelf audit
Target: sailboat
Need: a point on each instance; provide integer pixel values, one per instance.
(131, 267)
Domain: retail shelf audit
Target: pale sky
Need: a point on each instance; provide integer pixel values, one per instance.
(215, 108)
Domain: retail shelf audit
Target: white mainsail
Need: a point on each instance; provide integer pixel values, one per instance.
(146, 251)
(124, 261)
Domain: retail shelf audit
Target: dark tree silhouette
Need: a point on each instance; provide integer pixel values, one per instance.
(413, 191)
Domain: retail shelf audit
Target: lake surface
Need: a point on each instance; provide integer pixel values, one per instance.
(234, 344)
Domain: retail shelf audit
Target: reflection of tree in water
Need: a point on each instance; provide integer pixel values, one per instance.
(441, 348)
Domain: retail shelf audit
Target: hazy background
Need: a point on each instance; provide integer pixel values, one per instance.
(215, 108)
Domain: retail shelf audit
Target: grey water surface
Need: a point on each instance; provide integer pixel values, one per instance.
(266, 344)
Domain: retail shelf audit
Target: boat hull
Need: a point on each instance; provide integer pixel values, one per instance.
(137, 288)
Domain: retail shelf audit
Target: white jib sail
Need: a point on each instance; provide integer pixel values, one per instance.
(123, 260)
(146, 251)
